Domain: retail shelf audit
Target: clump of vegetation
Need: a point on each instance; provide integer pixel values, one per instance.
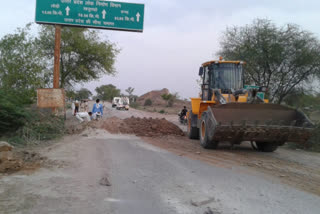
(162, 111)
(170, 98)
(20, 124)
(12, 114)
(134, 105)
(283, 58)
(313, 144)
(148, 102)
(40, 127)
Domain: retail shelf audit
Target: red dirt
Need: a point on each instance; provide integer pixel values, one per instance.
(148, 127)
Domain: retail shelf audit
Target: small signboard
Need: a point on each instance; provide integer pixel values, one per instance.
(91, 14)
(51, 98)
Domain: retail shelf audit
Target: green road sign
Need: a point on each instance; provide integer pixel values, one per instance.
(91, 14)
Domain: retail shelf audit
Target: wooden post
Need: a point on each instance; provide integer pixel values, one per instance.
(56, 68)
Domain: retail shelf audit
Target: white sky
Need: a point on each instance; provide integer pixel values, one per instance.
(179, 35)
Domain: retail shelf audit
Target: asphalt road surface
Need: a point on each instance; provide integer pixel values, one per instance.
(101, 173)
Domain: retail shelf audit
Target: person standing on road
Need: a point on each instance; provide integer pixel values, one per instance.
(77, 107)
(97, 109)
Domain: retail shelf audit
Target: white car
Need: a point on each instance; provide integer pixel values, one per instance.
(123, 104)
(115, 101)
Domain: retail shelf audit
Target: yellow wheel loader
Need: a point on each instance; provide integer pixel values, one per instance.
(229, 111)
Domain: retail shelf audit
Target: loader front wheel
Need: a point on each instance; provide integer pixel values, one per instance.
(204, 131)
(266, 146)
(192, 132)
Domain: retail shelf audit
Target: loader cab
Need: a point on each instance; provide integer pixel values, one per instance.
(224, 75)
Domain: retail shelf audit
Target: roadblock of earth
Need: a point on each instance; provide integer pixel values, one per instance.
(148, 127)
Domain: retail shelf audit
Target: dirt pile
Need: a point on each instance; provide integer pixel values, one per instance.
(148, 127)
(13, 161)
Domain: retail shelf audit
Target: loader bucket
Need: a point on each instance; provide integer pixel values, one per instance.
(237, 122)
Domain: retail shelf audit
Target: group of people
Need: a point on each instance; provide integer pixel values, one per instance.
(95, 114)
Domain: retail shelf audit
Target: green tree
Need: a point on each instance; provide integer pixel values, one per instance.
(84, 56)
(22, 68)
(170, 98)
(83, 93)
(283, 59)
(71, 94)
(130, 93)
(107, 92)
(12, 112)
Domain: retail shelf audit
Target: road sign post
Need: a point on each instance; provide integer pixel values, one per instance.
(56, 67)
(92, 14)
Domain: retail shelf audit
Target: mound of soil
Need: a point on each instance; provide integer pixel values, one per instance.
(154, 96)
(23, 160)
(148, 127)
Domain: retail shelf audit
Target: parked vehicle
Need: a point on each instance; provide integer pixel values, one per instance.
(115, 101)
(229, 111)
(123, 104)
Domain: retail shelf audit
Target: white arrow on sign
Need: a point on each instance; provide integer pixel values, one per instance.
(104, 14)
(67, 10)
(138, 17)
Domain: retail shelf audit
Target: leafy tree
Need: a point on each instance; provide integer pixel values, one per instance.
(84, 56)
(283, 59)
(12, 112)
(170, 98)
(107, 92)
(83, 93)
(22, 68)
(71, 94)
(130, 93)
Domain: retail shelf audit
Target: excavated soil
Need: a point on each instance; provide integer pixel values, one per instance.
(21, 160)
(147, 127)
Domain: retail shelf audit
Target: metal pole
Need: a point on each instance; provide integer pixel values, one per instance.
(56, 69)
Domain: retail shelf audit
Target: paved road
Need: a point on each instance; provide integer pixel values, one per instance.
(144, 179)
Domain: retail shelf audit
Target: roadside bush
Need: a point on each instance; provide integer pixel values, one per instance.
(148, 102)
(313, 143)
(134, 105)
(39, 127)
(162, 111)
(12, 113)
(20, 124)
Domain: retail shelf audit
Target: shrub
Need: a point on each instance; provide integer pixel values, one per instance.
(313, 144)
(162, 111)
(148, 102)
(12, 114)
(134, 105)
(39, 127)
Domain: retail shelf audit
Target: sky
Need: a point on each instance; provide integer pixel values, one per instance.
(178, 36)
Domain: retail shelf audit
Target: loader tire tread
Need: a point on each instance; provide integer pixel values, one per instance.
(204, 134)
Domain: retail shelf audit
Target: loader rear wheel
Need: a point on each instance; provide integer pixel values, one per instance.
(204, 131)
(266, 146)
(192, 132)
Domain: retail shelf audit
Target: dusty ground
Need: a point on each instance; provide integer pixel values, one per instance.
(298, 169)
(97, 172)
